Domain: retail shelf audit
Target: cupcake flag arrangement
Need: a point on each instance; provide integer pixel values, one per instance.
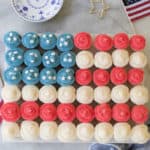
(74, 87)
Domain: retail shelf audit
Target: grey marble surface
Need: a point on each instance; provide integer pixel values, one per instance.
(74, 17)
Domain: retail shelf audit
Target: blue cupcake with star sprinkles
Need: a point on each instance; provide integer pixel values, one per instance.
(30, 40)
(48, 41)
(12, 75)
(48, 76)
(65, 42)
(12, 39)
(14, 57)
(50, 59)
(65, 76)
(30, 75)
(32, 58)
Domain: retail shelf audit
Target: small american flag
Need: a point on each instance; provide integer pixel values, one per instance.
(137, 9)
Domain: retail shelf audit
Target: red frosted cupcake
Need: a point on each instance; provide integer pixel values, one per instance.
(103, 112)
(103, 42)
(83, 40)
(121, 41)
(137, 42)
(139, 114)
(121, 112)
(118, 75)
(66, 112)
(85, 113)
(101, 77)
(135, 76)
(48, 112)
(29, 110)
(10, 112)
(83, 76)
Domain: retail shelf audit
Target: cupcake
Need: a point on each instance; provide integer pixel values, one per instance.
(48, 41)
(139, 95)
(66, 94)
(32, 58)
(83, 40)
(29, 130)
(10, 131)
(85, 132)
(120, 94)
(30, 93)
(138, 60)
(65, 76)
(65, 42)
(67, 59)
(66, 132)
(12, 39)
(120, 57)
(140, 134)
(85, 94)
(12, 75)
(30, 40)
(103, 132)
(14, 57)
(10, 93)
(48, 76)
(48, 130)
(47, 94)
(84, 59)
(50, 59)
(122, 132)
(103, 60)
(30, 75)
(102, 94)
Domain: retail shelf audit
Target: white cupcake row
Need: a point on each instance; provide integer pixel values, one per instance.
(68, 132)
(84, 94)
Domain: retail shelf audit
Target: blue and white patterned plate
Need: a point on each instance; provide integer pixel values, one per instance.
(37, 10)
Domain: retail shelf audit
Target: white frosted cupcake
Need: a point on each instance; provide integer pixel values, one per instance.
(85, 94)
(29, 130)
(103, 60)
(139, 95)
(140, 134)
(138, 60)
(66, 94)
(122, 132)
(48, 94)
(84, 59)
(120, 57)
(48, 130)
(85, 131)
(10, 93)
(66, 132)
(120, 94)
(103, 132)
(30, 93)
(10, 131)
(102, 94)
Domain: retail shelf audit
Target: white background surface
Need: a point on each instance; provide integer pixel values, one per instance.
(74, 17)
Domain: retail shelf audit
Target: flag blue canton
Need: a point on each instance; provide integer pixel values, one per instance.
(129, 2)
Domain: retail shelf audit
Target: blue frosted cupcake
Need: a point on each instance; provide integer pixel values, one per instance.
(65, 76)
(67, 59)
(32, 58)
(14, 57)
(30, 75)
(12, 75)
(48, 76)
(48, 41)
(12, 39)
(65, 42)
(30, 40)
(51, 59)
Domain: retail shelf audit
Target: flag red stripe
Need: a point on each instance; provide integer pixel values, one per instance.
(136, 6)
(139, 17)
